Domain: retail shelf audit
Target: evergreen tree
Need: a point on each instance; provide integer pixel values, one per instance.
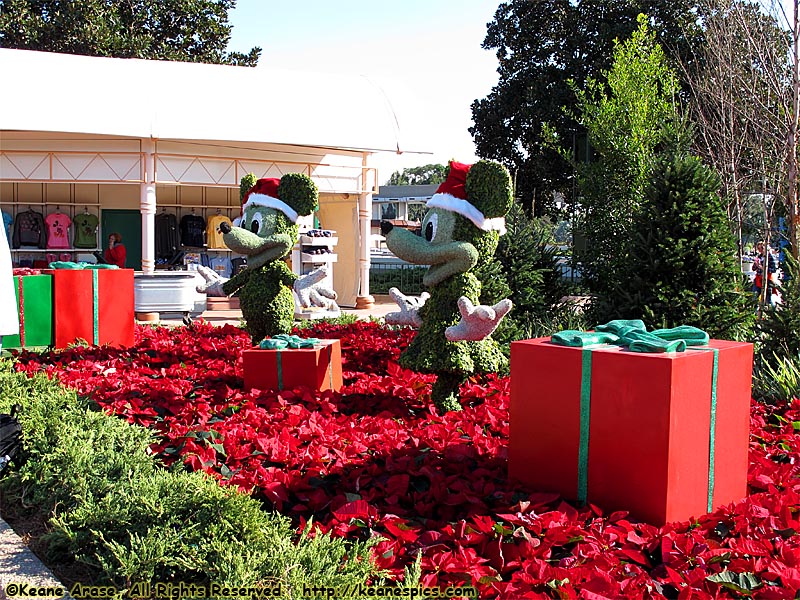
(526, 271)
(683, 265)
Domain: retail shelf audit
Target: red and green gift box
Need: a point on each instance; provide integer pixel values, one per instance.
(34, 294)
(662, 435)
(318, 366)
(95, 305)
(63, 306)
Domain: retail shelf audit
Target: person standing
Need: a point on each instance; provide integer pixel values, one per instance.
(768, 276)
(115, 253)
(9, 315)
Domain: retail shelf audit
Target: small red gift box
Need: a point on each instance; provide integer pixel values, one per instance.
(95, 305)
(662, 435)
(319, 368)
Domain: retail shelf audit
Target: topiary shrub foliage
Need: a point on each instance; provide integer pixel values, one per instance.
(458, 252)
(683, 268)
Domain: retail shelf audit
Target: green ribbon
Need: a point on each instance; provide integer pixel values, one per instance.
(283, 341)
(712, 428)
(95, 308)
(634, 335)
(279, 366)
(586, 411)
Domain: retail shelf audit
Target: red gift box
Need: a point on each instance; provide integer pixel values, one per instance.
(319, 367)
(95, 305)
(662, 435)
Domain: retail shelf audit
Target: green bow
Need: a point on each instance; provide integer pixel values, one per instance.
(633, 334)
(282, 340)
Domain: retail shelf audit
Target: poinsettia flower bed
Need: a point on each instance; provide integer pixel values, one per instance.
(375, 460)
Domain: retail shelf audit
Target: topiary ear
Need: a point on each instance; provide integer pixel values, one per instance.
(299, 192)
(489, 188)
(246, 184)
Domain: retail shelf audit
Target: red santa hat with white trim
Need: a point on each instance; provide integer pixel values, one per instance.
(265, 193)
(452, 195)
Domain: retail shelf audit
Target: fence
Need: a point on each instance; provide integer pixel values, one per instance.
(388, 272)
(385, 274)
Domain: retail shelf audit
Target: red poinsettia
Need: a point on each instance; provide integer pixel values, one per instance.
(375, 461)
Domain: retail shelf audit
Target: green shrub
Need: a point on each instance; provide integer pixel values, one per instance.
(114, 510)
(682, 269)
(343, 319)
(777, 380)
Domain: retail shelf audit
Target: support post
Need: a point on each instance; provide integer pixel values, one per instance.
(364, 299)
(147, 207)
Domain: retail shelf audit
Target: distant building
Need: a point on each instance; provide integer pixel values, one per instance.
(402, 205)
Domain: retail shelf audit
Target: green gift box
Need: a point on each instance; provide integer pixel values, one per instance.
(34, 294)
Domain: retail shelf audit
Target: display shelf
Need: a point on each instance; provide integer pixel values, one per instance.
(308, 240)
(318, 258)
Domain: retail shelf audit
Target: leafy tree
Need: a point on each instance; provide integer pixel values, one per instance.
(541, 46)
(630, 119)
(181, 30)
(683, 264)
(427, 174)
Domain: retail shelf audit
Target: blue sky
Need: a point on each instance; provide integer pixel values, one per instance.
(425, 53)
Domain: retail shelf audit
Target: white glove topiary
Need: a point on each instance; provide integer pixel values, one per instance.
(213, 284)
(310, 293)
(477, 322)
(409, 308)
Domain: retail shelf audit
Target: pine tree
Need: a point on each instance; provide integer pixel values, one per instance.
(683, 268)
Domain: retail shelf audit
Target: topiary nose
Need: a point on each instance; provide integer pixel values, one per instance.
(386, 227)
(225, 227)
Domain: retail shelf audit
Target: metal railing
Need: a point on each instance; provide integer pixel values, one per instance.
(384, 275)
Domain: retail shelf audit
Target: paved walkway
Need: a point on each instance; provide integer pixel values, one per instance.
(18, 565)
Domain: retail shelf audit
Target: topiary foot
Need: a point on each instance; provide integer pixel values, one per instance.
(445, 392)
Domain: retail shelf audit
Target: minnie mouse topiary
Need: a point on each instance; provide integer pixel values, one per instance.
(460, 233)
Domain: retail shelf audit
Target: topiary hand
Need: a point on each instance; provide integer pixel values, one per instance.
(213, 284)
(477, 322)
(409, 308)
(310, 293)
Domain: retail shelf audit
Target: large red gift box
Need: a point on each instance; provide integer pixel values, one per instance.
(95, 305)
(319, 367)
(661, 435)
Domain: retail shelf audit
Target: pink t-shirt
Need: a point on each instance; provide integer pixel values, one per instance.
(57, 230)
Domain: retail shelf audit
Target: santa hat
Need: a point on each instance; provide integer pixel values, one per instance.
(265, 193)
(452, 195)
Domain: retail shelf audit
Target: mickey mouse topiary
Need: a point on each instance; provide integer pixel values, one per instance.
(460, 233)
(266, 233)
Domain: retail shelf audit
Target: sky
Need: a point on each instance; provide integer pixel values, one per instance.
(425, 54)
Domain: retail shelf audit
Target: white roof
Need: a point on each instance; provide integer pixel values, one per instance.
(45, 91)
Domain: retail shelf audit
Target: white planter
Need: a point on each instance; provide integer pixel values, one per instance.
(170, 291)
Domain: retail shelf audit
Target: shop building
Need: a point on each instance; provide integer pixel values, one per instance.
(127, 142)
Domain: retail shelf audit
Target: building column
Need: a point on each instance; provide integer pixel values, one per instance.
(364, 300)
(147, 207)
